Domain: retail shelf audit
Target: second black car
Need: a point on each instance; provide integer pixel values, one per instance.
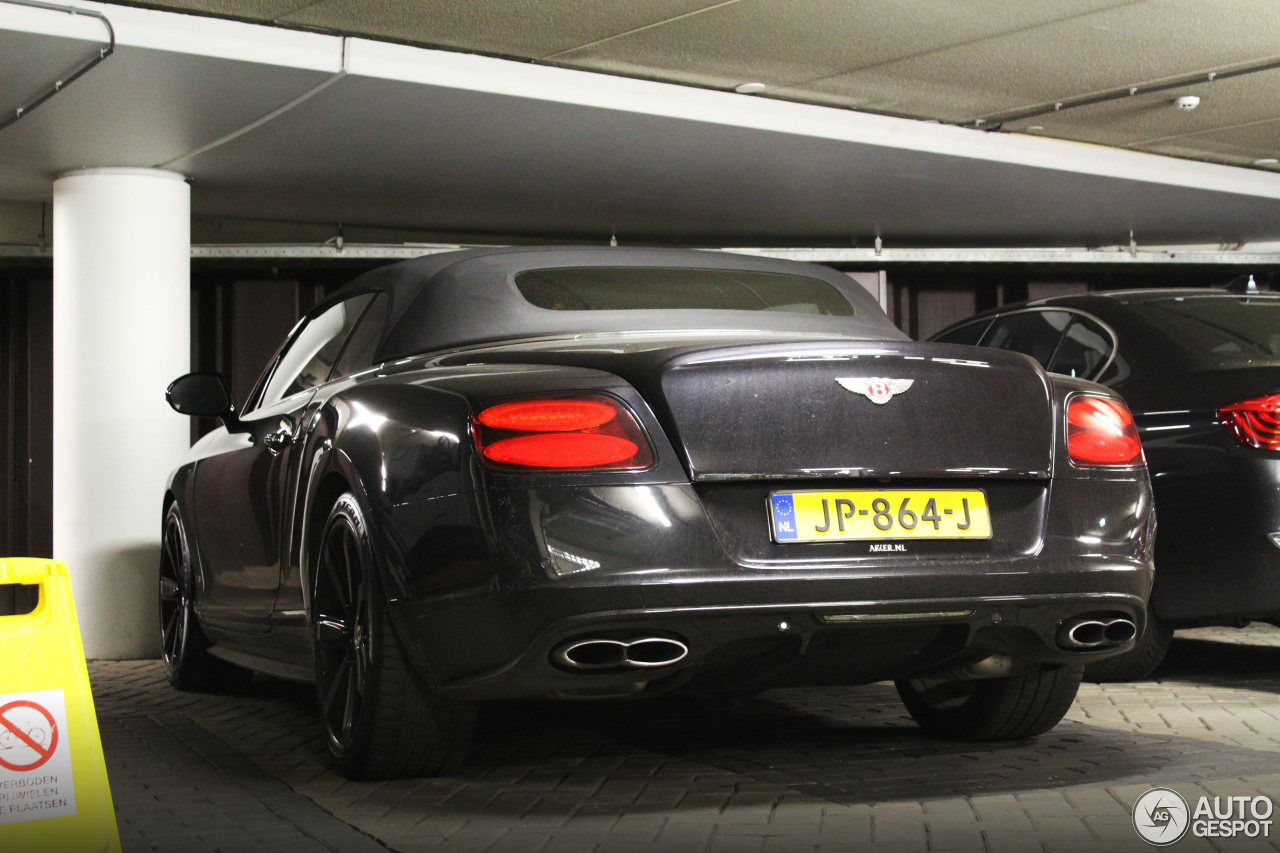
(1201, 371)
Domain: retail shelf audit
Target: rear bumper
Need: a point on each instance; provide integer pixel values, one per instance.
(763, 633)
(557, 565)
(787, 643)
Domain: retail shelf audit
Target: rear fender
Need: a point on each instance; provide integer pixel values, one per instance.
(389, 444)
(402, 444)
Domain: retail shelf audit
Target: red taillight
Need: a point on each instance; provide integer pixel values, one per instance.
(588, 433)
(548, 415)
(1100, 431)
(561, 450)
(1254, 423)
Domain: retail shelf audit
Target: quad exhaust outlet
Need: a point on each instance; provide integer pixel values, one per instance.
(642, 653)
(1089, 632)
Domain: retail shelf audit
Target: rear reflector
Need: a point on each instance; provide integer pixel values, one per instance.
(587, 433)
(1254, 423)
(1100, 431)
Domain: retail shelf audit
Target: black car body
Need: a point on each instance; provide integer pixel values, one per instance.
(367, 520)
(1184, 360)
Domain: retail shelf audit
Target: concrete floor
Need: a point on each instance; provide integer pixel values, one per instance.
(792, 770)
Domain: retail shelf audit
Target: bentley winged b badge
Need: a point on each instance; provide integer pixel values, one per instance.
(875, 388)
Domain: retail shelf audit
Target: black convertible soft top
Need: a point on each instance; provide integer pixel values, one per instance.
(455, 299)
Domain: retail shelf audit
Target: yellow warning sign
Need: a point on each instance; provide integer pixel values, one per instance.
(54, 794)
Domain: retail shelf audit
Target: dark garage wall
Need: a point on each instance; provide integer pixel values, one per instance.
(26, 424)
(236, 327)
(239, 315)
(26, 413)
(241, 312)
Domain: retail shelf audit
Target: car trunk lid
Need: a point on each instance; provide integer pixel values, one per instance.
(841, 410)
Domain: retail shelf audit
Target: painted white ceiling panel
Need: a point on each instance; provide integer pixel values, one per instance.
(450, 159)
(28, 62)
(799, 41)
(406, 137)
(532, 28)
(141, 107)
(187, 34)
(1131, 44)
(942, 60)
(1246, 142)
(1146, 119)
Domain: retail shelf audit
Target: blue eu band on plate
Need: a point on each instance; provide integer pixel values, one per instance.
(832, 516)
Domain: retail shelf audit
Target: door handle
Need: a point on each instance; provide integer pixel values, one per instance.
(279, 440)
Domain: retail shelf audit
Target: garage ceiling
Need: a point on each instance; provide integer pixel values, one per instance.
(278, 123)
(946, 60)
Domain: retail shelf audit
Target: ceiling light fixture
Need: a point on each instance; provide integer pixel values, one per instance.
(1036, 127)
(1266, 161)
(750, 88)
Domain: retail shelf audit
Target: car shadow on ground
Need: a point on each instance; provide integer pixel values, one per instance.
(845, 744)
(1222, 664)
(857, 745)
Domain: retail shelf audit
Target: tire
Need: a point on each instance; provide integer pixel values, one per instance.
(184, 647)
(380, 721)
(1138, 663)
(1012, 708)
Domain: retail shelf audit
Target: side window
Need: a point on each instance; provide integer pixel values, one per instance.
(307, 362)
(255, 393)
(968, 335)
(1085, 349)
(1035, 333)
(359, 352)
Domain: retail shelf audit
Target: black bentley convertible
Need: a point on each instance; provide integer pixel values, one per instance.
(589, 473)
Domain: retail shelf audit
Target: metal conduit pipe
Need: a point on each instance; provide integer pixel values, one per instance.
(994, 121)
(59, 85)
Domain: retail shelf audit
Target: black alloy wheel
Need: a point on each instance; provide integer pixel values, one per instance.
(380, 721)
(175, 593)
(184, 648)
(343, 626)
(991, 709)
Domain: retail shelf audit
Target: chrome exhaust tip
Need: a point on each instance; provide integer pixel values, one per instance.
(592, 654)
(642, 653)
(1120, 631)
(1086, 635)
(655, 651)
(1096, 632)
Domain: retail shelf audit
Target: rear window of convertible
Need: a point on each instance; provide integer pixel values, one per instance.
(1229, 330)
(650, 288)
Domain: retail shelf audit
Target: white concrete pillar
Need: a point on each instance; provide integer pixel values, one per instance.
(121, 333)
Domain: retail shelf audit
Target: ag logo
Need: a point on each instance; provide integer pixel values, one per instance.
(875, 388)
(1161, 816)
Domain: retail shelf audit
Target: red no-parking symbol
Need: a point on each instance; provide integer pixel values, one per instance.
(26, 726)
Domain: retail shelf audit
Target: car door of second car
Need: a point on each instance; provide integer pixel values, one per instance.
(241, 494)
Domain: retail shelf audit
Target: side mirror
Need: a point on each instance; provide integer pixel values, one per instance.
(203, 395)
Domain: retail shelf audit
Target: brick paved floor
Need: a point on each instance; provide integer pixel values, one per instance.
(792, 770)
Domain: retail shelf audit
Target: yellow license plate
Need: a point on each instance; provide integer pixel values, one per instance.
(836, 516)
